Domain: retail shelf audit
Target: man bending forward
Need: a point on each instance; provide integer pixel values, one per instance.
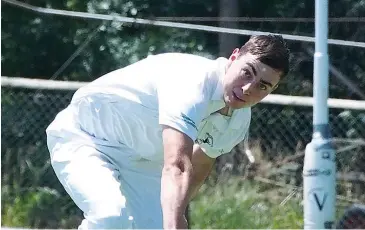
(135, 145)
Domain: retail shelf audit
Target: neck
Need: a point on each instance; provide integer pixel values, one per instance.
(225, 111)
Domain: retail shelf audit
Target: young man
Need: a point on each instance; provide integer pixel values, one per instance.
(135, 145)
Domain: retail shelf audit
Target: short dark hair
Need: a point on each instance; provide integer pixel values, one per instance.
(270, 49)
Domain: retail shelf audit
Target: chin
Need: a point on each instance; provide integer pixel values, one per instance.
(237, 105)
(234, 104)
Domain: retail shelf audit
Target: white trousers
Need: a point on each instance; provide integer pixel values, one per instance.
(113, 190)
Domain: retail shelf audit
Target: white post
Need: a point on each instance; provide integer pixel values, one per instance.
(319, 172)
(320, 93)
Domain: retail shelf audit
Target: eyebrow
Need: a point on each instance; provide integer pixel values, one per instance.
(253, 68)
(266, 83)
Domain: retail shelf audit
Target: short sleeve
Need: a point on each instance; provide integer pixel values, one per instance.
(183, 100)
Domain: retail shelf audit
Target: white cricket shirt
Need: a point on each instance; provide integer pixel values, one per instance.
(128, 106)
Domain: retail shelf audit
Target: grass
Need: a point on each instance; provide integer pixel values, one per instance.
(230, 204)
(233, 204)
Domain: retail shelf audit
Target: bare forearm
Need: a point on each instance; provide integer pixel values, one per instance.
(202, 166)
(176, 177)
(175, 189)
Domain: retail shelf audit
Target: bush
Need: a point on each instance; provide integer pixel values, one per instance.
(37, 208)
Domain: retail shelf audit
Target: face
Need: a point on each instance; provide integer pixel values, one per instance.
(247, 80)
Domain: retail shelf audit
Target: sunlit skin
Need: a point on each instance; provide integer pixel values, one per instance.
(247, 80)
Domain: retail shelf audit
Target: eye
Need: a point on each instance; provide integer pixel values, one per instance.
(246, 74)
(263, 86)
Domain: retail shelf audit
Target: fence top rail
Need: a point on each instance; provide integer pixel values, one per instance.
(41, 84)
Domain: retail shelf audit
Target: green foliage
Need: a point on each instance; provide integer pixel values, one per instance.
(37, 45)
(229, 204)
(243, 204)
(240, 205)
(37, 208)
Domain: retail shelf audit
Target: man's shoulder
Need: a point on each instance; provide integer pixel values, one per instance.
(185, 69)
(186, 57)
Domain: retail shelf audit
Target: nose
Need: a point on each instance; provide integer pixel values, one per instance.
(248, 87)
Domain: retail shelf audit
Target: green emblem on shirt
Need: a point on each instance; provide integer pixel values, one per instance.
(189, 121)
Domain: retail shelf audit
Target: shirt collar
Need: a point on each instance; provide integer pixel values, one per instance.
(239, 116)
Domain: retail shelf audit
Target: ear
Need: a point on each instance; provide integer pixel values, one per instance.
(234, 54)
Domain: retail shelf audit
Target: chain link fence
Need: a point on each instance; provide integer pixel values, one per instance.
(278, 136)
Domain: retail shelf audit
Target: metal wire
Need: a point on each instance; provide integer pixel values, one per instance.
(174, 24)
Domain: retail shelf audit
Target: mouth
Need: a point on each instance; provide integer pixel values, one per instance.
(237, 98)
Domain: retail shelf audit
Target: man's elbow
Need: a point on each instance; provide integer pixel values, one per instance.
(178, 168)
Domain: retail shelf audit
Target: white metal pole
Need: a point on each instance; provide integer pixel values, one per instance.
(320, 89)
(319, 163)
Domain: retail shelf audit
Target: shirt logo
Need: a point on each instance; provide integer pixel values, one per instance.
(189, 121)
(207, 140)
